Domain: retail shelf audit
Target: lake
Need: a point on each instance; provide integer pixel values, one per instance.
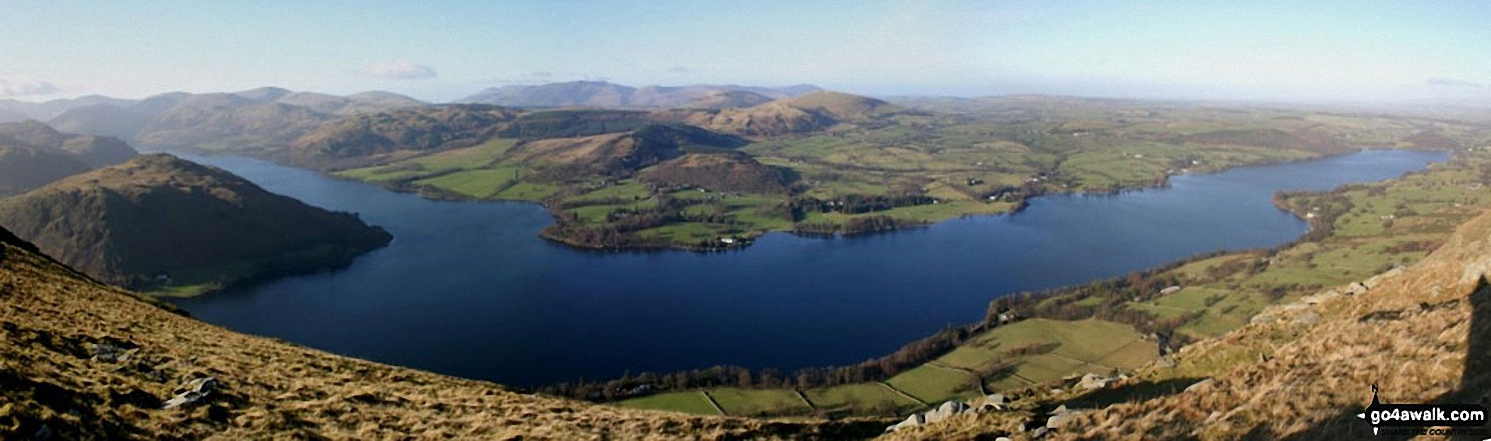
(469, 289)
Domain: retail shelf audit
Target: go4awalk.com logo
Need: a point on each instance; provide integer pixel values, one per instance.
(1425, 419)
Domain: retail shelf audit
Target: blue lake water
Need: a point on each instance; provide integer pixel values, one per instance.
(468, 289)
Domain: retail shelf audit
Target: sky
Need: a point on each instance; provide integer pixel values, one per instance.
(1315, 51)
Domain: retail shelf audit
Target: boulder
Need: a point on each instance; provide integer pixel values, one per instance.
(1356, 288)
(914, 420)
(110, 353)
(994, 402)
(1093, 381)
(192, 391)
(1200, 385)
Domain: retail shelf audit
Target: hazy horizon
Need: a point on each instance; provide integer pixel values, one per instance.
(1357, 52)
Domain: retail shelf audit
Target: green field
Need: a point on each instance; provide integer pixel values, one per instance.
(863, 399)
(759, 402)
(687, 402)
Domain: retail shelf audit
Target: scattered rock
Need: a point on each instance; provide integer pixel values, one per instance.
(1039, 432)
(1058, 410)
(192, 391)
(1200, 385)
(1356, 288)
(1170, 290)
(946, 410)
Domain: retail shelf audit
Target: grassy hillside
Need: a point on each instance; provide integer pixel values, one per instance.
(164, 224)
(108, 376)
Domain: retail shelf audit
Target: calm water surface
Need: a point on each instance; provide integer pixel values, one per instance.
(468, 289)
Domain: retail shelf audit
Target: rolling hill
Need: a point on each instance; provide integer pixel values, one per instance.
(360, 139)
(163, 223)
(719, 172)
(807, 113)
(616, 154)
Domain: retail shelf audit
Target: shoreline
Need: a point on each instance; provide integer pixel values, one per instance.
(744, 241)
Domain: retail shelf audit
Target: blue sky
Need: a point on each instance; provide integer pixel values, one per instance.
(1410, 51)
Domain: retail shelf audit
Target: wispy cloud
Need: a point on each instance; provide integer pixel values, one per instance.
(1451, 82)
(398, 70)
(10, 89)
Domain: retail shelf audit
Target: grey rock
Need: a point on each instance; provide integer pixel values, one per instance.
(1038, 432)
(1200, 385)
(1093, 381)
(109, 353)
(996, 401)
(192, 391)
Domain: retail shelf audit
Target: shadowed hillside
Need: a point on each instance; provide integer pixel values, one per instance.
(164, 223)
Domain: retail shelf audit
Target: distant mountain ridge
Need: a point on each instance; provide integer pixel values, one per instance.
(611, 95)
(233, 121)
(33, 154)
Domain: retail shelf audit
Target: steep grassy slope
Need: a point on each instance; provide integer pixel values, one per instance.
(53, 322)
(160, 222)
